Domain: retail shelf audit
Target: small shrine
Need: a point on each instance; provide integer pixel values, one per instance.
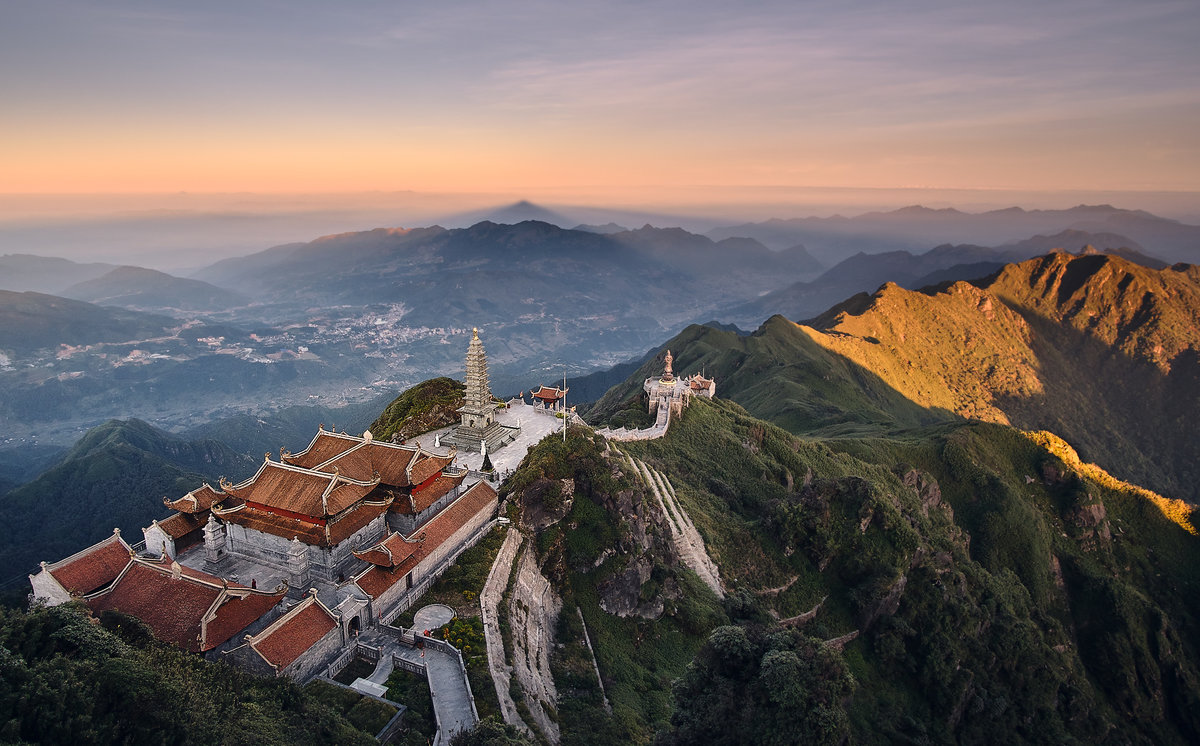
(549, 396)
(668, 395)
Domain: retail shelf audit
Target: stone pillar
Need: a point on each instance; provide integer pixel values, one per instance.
(297, 564)
(214, 539)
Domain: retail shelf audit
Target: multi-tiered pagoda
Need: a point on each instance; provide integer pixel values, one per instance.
(479, 430)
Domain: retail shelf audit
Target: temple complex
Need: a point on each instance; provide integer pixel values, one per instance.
(280, 572)
(479, 430)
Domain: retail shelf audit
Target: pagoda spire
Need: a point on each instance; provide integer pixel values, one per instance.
(477, 411)
(478, 395)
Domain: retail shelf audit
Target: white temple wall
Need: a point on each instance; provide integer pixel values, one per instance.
(323, 562)
(48, 590)
(158, 541)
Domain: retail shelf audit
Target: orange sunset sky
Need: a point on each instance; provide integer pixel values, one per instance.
(625, 98)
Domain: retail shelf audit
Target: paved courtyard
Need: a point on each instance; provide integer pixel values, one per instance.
(535, 423)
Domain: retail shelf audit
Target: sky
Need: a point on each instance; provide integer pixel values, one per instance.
(636, 98)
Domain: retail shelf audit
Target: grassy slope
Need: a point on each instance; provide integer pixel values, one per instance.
(1014, 613)
(115, 476)
(424, 407)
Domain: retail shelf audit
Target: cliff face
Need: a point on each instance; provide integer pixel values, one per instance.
(600, 521)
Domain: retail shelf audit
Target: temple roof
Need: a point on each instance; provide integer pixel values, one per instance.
(316, 532)
(185, 607)
(439, 488)
(548, 393)
(294, 633)
(297, 490)
(429, 466)
(324, 446)
(390, 552)
(480, 497)
(196, 501)
(95, 567)
(369, 460)
(179, 525)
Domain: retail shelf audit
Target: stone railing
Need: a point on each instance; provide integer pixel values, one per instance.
(337, 664)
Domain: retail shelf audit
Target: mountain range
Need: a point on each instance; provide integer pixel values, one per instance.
(938, 514)
(866, 272)
(916, 228)
(1097, 349)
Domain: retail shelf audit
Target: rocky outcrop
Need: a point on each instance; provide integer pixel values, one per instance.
(533, 610)
(546, 502)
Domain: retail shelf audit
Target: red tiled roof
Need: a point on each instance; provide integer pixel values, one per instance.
(549, 394)
(295, 632)
(179, 525)
(297, 490)
(386, 461)
(478, 498)
(175, 609)
(196, 501)
(390, 552)
(93, 568)
(324, 446)
(428, 466)
(356, 458)
(344, 527)
(236, 613)
(306, 531)
(440, 487)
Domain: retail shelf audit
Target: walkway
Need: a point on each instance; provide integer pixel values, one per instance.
(452, 701)
(489, 602)
(657, 430)
(535, 424)
(688, 541)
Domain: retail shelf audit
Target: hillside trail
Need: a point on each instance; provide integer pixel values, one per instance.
(688, 541)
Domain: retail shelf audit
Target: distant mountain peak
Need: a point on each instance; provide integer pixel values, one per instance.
(524, 210)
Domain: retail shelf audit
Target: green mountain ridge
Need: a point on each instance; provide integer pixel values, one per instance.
(115, 476)
(942, 584)
(1101, 351)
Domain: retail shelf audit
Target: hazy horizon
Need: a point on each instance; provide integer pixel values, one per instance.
(181, 231)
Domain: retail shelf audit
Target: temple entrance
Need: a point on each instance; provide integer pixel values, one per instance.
(355, 627)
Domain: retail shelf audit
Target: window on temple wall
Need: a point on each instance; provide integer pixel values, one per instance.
(408, 582)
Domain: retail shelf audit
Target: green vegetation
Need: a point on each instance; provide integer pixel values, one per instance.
(115, 476)
(995, 588)
(66, 679)
(762, 687)
(424, 407)
(412, 690)
(490, 731)
(364, 713)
